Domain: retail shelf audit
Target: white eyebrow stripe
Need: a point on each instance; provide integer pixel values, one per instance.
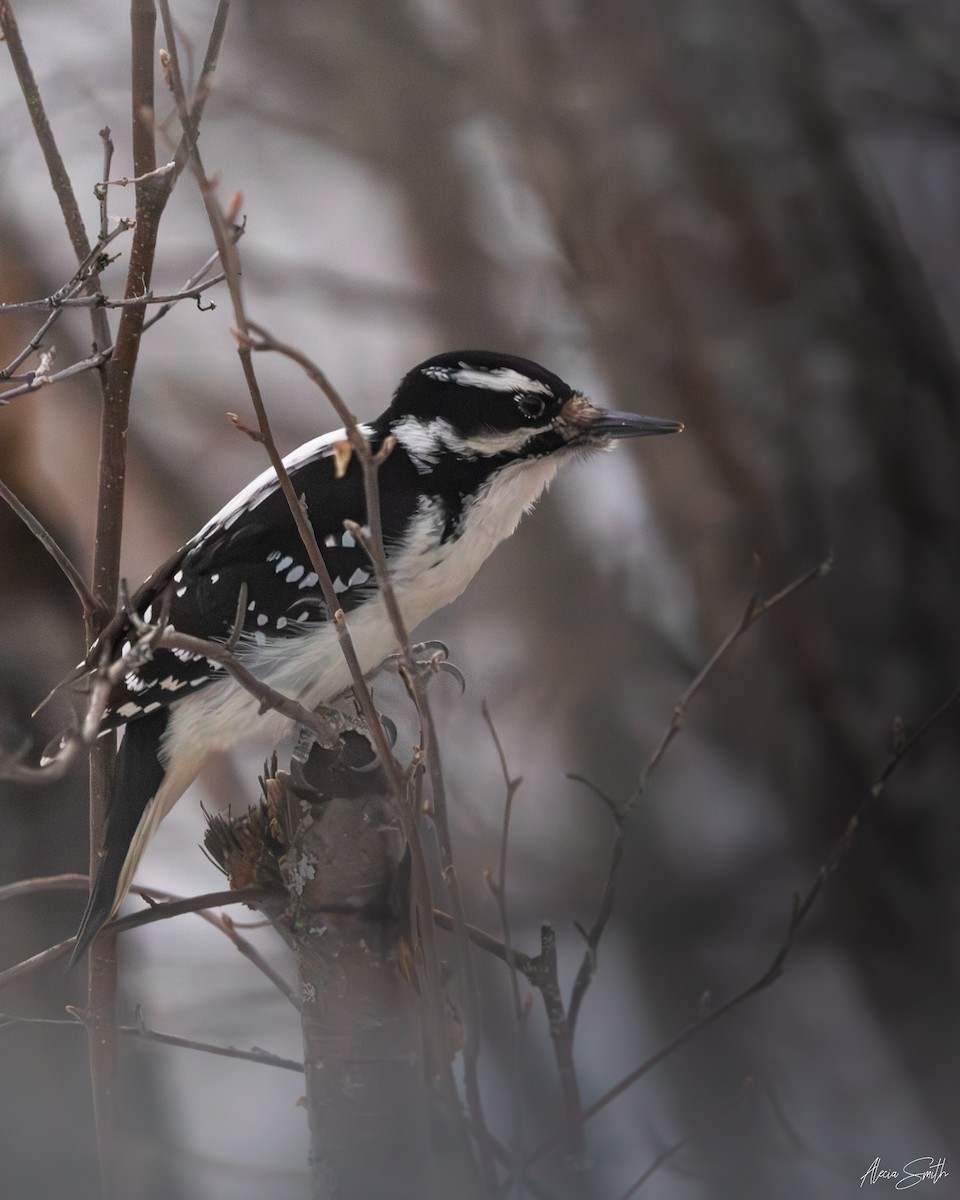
(500, 379)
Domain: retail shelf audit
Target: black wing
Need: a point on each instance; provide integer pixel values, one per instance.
(255, 542)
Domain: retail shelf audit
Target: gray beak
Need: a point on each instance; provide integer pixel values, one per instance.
(618, 425)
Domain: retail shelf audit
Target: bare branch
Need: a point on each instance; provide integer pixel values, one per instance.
(266, 341)
(156, 173)
(487, 942)
(100, 189)
(323, 724)
(85, 274)
(754, 610)
(326, 723)
(227, 252)
(44, 883)
(196, 278)
(202, 90)
(173, 907)
(544, 975)
(32, 346)
(802, 904)
(498, 886)
(99, 300)
(38, 379)
(60, 180)
(53, 548)
(264, 1057)
(140, 1030)
(372, 541)
(226, 926)
(160, 912)
(498, 889)
(53, 766)
(670, 1151)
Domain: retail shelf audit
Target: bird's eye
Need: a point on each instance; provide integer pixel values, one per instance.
(530, 406)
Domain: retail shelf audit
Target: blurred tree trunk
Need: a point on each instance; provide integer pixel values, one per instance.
(760, 280)
(326, 843)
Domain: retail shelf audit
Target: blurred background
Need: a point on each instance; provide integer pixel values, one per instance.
(742, 216)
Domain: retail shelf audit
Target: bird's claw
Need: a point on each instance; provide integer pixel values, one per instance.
(452, 669)
(429, 658)
(432, 647)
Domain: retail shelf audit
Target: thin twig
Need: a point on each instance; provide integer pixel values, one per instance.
(670, 1151)
(156, 173)
(59, 178)
(802, 904)
(326, 724)
(432, 757)
(754, 610)
(33, 345)
(226, 926)
(39, 379)
(201, 93)
(498, 889)
(544, 975)
(141, 1031)
(160, 912)
(266, 341)
(86, 274)
(488, 943)
(264, 1057)
(323, 724)
(498, 886)
(373, 544)
(99, 300)
(44, 883)
(49, 883)
(191, 283)
(100, 190)
(53, 548)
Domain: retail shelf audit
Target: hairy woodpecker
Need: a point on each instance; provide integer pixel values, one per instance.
(478, 438)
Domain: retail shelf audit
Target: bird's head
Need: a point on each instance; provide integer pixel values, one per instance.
(475, 405)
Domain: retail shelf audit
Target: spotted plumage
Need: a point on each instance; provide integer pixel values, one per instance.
(478, 436)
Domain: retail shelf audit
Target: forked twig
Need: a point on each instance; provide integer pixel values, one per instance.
(59, 178)
(224, 925)
(754, 610)
(802, 904)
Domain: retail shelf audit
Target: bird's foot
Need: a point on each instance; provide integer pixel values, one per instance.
(429, 658)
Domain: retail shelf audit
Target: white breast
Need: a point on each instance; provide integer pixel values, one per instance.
(426, 576)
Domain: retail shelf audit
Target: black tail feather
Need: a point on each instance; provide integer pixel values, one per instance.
(138, 777)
